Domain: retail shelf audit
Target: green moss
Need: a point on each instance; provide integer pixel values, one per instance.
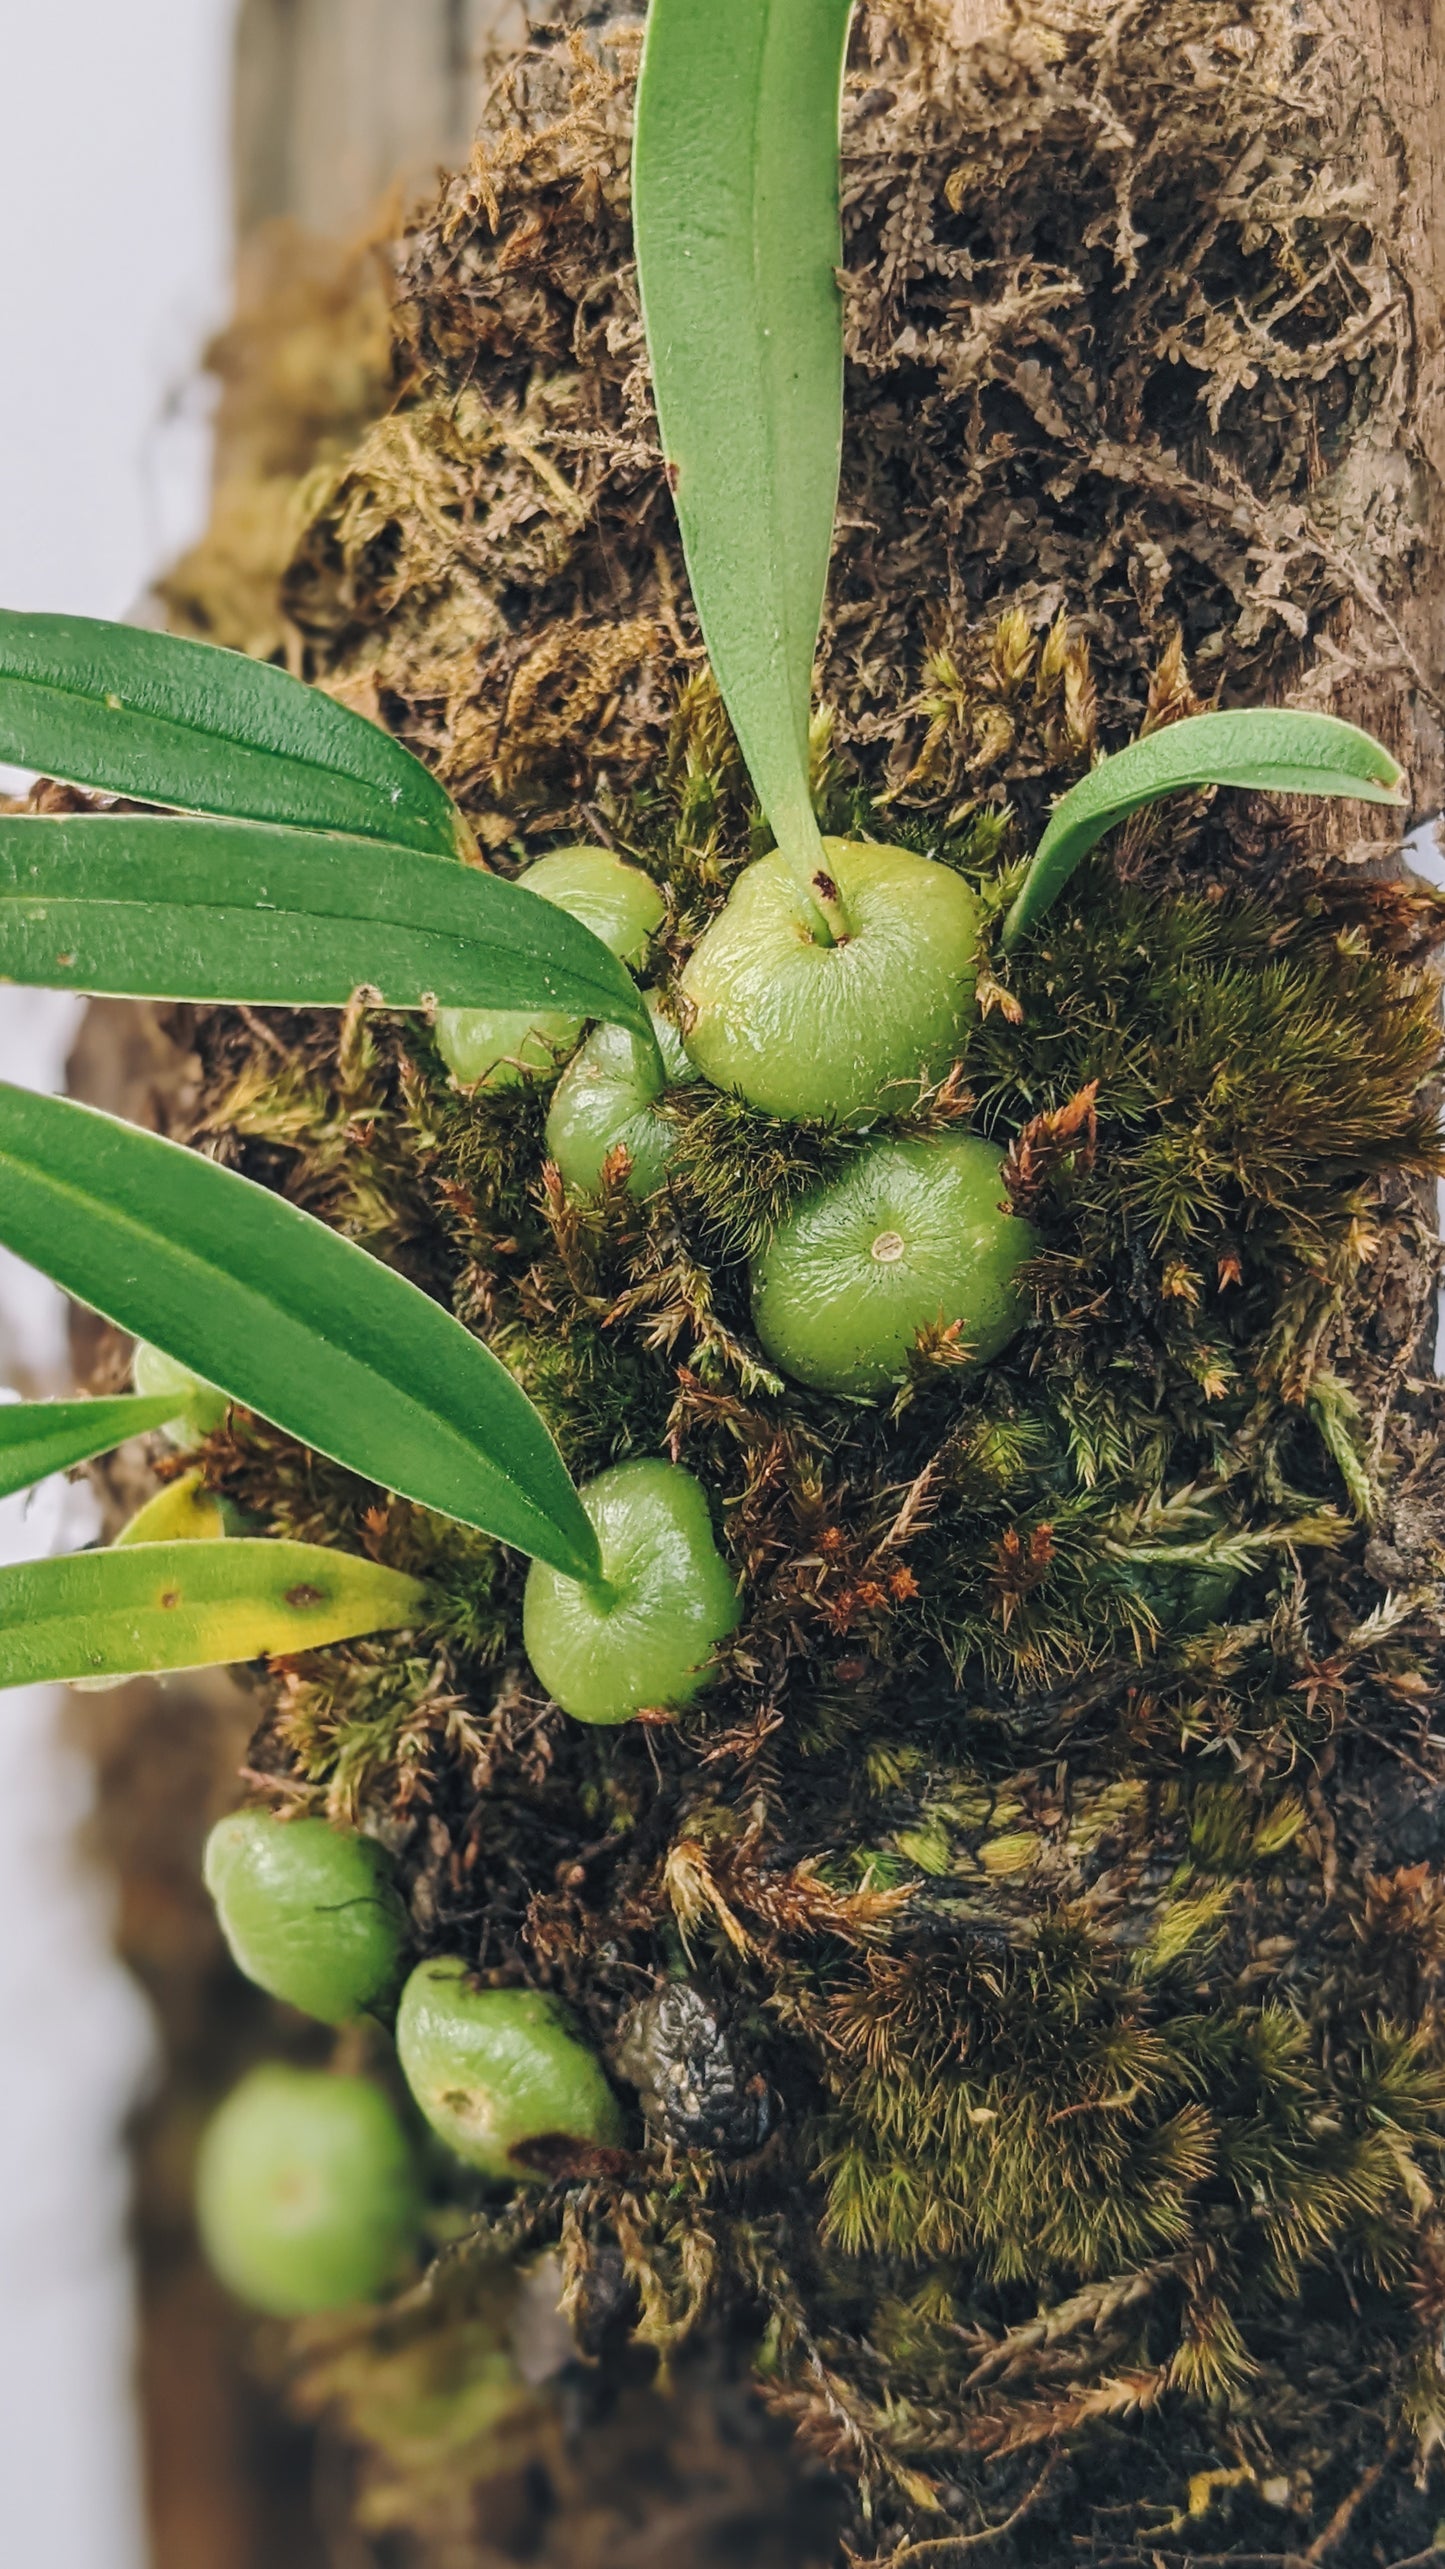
(1057, 1847)
(1028, 1949)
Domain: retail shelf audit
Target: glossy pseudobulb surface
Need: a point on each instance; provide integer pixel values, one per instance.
(608, 1098)
(834, 1032)
(500, 1047)
(499, 2073)
(672, 1600)
(908, 1236)
(311, 1913)
(199, 1406)
(306, 2193)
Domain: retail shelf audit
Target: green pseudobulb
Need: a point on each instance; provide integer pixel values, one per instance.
(199, 1406)
(909, 1236)
(607, 1099)
(306, 2192)
(499, 2075)
(311, 1913)
(837, 1032)
(501, 1047)
(670, 1599)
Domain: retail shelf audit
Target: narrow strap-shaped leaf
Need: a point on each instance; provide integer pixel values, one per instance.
(182, 1511)
(1269, 750)
(38, 1437)
(285, 1316)
(735, 206)
(235, 910)
(151, 1606)
(207, 730)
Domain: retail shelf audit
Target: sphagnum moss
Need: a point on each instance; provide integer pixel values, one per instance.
(1081, 1954)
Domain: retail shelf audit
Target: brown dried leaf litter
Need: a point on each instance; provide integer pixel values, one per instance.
(1122, 343)
(1101, 2027)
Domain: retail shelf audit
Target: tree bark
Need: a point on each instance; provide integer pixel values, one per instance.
(1403, 43)
(338, 101)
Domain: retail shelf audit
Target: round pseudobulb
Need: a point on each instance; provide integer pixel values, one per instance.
(500, 1047)
(909, 1236)
(311, 1913)
(646, 1637)
(607, 1099)
(499, 2074)
(199, 1406)
(839, 1033)
(306, 2192)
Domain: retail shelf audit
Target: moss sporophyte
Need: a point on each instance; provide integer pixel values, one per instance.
(912, 1507)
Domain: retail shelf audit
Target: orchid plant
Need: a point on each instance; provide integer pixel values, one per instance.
(301, 857)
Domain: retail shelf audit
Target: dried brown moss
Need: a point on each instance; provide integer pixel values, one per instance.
(1121, 341)
(1054, 1867)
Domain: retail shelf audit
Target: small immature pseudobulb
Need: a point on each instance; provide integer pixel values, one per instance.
(647, 1637)
(306, 2192)
(199, 1406)
(501, 1047)
(608, 1098)
(311, 1913)
(498, 2073)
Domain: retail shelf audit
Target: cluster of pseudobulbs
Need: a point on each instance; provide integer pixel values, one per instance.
(308, 2192)
(911, 1234)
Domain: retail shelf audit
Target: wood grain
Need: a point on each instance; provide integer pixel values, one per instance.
(1403, 44)
(339, 101)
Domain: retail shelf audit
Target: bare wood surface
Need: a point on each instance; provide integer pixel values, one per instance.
(1403, 44)
(338, 101)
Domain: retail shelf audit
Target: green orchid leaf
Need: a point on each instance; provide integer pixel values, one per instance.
(286, 1317)
(735, 208)
(184, 723)
(38, 1437)
(233, 910)
(1270, 750)
(151, 1606)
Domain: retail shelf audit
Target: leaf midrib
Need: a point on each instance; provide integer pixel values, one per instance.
(230, 739)
(203, 1269)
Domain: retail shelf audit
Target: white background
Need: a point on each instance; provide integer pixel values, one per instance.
(113, 212)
